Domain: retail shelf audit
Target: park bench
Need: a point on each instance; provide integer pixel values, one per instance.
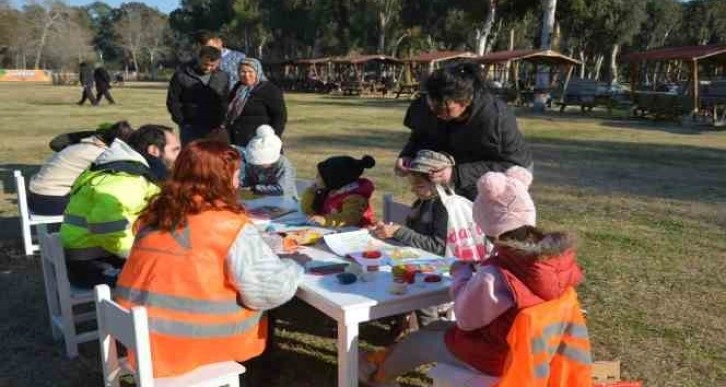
(713, 102)
(581, 92)
(662, 105)
(410, 89)
(351, 88)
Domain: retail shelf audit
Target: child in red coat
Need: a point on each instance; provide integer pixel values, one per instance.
(528, 267)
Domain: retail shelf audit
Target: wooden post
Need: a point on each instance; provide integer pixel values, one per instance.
(696, 102)
(570, 68)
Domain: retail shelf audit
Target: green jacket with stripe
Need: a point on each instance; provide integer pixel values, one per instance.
(104, 204)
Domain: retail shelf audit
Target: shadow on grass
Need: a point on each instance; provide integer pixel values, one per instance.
(654, 170)
(358, 140)
(338, 101)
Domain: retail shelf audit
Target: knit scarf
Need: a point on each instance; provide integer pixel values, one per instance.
(243, 91)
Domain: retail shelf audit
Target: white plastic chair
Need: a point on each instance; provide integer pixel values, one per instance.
(131, 329)
(28, 219)
(393, 211)
(302, 184)
(61, 297)
(446, 375)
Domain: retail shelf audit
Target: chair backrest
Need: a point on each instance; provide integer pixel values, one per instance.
(53, 258)
(22, 196)
(128, 327)
(549, 346)
(302, 184)
(393, 211)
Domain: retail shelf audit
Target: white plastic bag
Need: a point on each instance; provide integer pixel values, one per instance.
(464, 239)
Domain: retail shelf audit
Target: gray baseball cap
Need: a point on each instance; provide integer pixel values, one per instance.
(427, 161)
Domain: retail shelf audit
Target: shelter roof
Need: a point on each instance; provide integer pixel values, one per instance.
(310, 61)
(437, 56)
(534, 55)
(677, 53)
(357, 59)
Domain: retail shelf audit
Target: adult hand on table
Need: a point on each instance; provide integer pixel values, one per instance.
(385, 230)
(402, 165)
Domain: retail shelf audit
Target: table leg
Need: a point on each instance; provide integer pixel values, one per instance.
(347, 355)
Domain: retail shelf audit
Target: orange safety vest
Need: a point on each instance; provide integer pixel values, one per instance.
(182, 280)
(549, 346)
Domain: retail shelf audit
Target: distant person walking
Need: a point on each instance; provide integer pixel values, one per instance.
(85, 76)
(230, 58)
(103, 84)
(197, 97)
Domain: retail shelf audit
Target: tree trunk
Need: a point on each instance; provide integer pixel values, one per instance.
(583, 64)
(482, 35)
(394, 50)
(614, 63)
(41, 45)
(381, 32)
(598, 67)
(136, 62)
(548, 23)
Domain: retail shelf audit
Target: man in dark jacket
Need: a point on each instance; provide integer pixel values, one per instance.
(197, 96)
(459, 117)
(103, 84)
(85, 76)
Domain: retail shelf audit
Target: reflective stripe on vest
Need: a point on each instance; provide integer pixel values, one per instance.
(98, 227)
(566, 330)
(177, 328)
(181, 304)
(189, 305)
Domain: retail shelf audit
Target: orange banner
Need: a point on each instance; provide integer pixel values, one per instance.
(25, 76)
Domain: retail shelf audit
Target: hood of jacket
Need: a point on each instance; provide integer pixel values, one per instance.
(120, 151)
(547, 267)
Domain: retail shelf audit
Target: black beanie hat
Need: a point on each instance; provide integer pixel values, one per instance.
(339, 171)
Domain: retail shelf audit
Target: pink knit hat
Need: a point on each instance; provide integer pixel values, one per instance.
(503, 203)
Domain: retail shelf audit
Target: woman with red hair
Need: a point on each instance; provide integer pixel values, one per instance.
(201, 268)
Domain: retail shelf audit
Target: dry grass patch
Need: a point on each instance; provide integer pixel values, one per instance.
(647, 200)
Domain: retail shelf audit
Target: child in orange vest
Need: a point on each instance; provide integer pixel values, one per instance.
(528, 267)
(340, 196)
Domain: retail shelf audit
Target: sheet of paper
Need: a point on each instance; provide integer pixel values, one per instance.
(344, 243)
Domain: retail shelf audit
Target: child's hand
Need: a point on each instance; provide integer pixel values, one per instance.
(385, 231)
(316, 219)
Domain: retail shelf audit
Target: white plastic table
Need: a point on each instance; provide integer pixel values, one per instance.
(359, 302)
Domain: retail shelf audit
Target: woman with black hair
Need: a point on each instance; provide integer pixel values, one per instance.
(458, 116)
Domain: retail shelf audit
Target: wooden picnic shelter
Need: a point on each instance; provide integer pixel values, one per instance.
(696, 96)
(419, 66)
(361, 73)
(499, 64)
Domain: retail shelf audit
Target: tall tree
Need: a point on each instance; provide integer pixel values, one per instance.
(548, 23)
(135, 34)
(42, 18)
(387, 11)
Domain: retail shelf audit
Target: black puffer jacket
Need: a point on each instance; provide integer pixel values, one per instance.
(265, 105)
(191, 102)
(489, 140)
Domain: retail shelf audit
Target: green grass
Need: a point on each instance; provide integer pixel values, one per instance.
(647, 200)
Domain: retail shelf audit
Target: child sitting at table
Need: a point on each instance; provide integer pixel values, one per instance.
(528, 267)
(266, 171)
(340, 196)
(425, 226)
